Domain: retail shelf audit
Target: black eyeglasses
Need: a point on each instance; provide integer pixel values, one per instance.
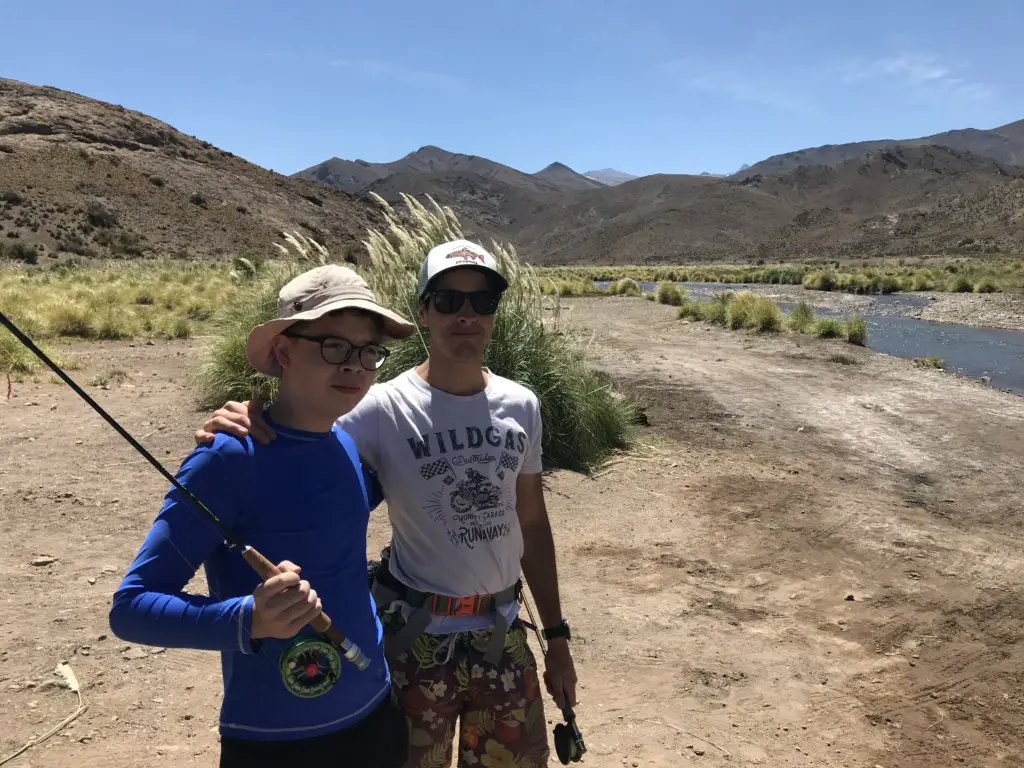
(337, 351)
(448, 302)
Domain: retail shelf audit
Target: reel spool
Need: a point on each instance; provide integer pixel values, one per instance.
(310, 666)
(568, 740)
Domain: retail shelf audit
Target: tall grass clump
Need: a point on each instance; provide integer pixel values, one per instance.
(765, 316)
(829, 328)
(937, 363)
(735, 311)
(14, 358)
(669, 293)
(856, 330)
(690, 310)
(116, 300)
(584, 418)
(820, 281)
(739, 310)
(715, 310)
(801, 318)
(959, 284)
(1007, 275)
(627, 286)
(986, 285)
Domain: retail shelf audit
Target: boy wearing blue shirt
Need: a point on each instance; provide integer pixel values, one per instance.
(303, 501)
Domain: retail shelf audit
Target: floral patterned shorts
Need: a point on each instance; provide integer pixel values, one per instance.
(443, 680)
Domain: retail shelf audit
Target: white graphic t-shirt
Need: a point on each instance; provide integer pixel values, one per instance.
(448, 465)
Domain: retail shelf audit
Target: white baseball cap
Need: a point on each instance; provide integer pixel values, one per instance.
(453, 255)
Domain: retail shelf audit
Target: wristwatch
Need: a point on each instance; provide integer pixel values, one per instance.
(561, 629)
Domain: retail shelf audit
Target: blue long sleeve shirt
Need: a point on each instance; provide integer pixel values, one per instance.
(303, 498)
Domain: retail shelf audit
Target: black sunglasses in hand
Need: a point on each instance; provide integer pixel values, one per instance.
(337, 351)
(448, 302)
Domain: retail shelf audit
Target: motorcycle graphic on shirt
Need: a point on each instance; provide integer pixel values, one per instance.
(470, 505)
(474, 492)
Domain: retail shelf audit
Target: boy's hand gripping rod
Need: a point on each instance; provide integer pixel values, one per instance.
(322, 623)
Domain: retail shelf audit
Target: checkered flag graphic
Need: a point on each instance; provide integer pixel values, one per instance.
(510, 462)
(435, 468)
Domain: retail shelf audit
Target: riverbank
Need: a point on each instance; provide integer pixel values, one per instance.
(986, 310)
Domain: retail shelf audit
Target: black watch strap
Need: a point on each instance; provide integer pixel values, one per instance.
(559, 630)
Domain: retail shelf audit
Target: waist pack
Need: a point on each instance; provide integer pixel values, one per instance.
(386, 589)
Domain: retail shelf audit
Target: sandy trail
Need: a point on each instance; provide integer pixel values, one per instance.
(706, 576)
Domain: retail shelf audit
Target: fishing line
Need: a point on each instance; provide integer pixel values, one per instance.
(569, 744)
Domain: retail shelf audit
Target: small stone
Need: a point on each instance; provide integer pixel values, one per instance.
(44, 560)
(850, 598)
(698, 752)
(92, 579)
(187, 716)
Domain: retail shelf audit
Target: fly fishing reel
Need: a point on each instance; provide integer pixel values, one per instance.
(310, 666)
(569, 744)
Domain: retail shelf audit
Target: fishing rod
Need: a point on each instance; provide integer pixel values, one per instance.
(264, 568)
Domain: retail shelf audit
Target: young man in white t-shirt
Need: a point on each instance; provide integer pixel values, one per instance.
(458, 453)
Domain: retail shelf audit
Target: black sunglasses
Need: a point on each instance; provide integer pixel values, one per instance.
(337, 351)
(448, 301)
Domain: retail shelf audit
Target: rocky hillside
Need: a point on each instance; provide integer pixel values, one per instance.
(79, 176)
(906, 200)
(359, 176)
(899, 200)
(1005, 145)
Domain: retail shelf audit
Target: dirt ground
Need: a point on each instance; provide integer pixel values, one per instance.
(805, 563)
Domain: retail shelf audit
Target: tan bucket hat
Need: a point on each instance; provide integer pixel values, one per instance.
(311, 295)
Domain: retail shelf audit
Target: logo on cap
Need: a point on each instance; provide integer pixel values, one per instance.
(467, 255)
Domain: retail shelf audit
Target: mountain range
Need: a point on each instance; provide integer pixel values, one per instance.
(959, 191)
(80, 176)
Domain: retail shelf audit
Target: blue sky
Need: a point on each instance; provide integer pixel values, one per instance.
(644, 86)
